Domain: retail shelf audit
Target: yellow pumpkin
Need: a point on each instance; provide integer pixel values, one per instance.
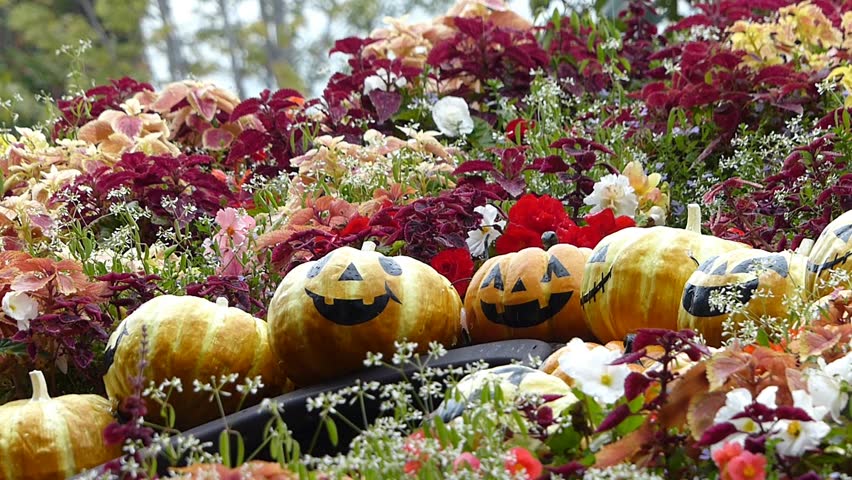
(53, 438)
(635, 277)
(832, 251)
(756, 279)
(533, 293)
(192, 339)
(328, 314)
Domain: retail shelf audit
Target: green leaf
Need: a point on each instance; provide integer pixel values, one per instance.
(762, 338)
(331, 428)
(225, 447)
(8, 347)
(443, 431)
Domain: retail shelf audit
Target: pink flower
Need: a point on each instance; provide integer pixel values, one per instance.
(520, 460)
(746, 466)
(724, 455)
(235, 227)
(466, 460)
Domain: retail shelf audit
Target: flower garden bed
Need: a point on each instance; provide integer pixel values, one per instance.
(669, 208)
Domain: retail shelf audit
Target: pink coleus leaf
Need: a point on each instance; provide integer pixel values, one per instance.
(204, 106)
(816, 340)
(130, 126)
(217, 138)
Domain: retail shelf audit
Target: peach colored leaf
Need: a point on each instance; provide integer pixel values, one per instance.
(796, 379)
(94, 132)
(816, 340)
(624, 449)
(721, 366)
(302, 217)
(65, 284)
(270, 239)
(702, 411)
(171, 96)
(30, 282)
(673, 413)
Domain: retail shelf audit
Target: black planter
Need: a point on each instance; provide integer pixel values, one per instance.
(251, 421)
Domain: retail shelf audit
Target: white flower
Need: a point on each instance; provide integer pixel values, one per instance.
(592, 372)
(21, 307)
(613, 191)
(480, 239)
(825, 385)
(452, 116)
(735, 403)
(379, 81)
(798, 436)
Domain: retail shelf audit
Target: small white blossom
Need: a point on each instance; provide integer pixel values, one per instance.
(798, 436)
(20, 307)
(736, 402)
(613, 191)
(452, 116)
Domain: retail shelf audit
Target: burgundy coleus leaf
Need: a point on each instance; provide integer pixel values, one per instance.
(386, 103)
(630, 357)
(246, 107)
(512, 160)
(248, 142)
(786, 412)
(474, 166)
(635, 384)
(614, 419)
(549, 164)
(350, 45)
(513, 186)
(717, 433)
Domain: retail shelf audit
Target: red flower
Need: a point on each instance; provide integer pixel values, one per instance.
(517, 128)
(520, 460)
(466, 460)
(356, 225)
(456, 265)
(528, 219)
(598, 226)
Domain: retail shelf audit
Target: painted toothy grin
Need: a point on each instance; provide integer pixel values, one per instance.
(600, 286)
(349, 312)
(528, 314)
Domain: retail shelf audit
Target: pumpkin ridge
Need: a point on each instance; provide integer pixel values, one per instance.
(212, 328)
(54, 418)
(6, 430)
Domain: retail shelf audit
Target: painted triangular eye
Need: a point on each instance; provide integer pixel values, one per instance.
(351, 274)
(772, 262)
(599, 256)
(317, 267)
(707, 264)
(720, 270)
(844, 233)
(494, 277)
(519, 286)
(555, 267)
(390, 266)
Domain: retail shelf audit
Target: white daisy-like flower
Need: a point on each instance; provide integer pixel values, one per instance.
(452, 116)
(825, 384)
(20, 307)
(798, 436)
(613, 191)
(480, 239)
(592, 372)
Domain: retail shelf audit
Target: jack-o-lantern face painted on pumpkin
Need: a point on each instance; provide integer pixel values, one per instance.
(327, 315)
(832, 251)
(634, 277)
(532, 293)
(352, 291)
(756, 280)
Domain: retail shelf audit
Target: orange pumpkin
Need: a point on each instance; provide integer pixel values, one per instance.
(635, 277)
(532, 293)
(327, 315)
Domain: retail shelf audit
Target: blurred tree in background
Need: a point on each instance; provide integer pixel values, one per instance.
(55, 47)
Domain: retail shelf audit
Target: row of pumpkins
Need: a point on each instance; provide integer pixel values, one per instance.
(327, 314)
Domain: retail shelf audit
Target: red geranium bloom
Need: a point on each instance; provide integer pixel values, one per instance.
(598, 226)
(528, 219)
(520, 460)
(456, 265)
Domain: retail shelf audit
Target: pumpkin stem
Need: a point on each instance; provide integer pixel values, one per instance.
(368, 246)
(693, 218)
(222, 301)
(805, 247)
(549, 239)
(39, 386)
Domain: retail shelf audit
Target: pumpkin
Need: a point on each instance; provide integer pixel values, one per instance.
(635, 277)
(533, 293)
(739, 274)
(513, 380)
(326, 315)
(832, 251)
(192, 339)
(53, 438)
